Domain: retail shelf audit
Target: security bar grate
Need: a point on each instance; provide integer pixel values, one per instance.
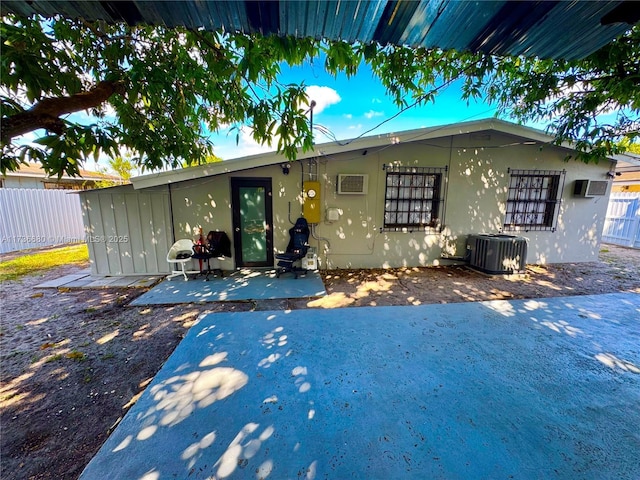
(532, 199)
(412, 197)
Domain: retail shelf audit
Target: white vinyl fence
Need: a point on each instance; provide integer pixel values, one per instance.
(33, 218)
(622, 224)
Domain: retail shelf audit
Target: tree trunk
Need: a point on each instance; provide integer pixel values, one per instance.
(45, 114)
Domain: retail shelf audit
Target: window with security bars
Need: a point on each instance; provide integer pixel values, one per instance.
(412, 197)
(532, 199)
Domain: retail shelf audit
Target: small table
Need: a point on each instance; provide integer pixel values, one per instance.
(217, 245)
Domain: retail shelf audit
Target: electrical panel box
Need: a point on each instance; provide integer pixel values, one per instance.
(332, 214)
(311, 202)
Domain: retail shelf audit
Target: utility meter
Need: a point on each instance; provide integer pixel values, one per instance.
(311, 202)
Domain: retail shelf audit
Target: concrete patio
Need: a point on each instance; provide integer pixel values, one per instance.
(240, 285)
(524, 389)
(85, 280)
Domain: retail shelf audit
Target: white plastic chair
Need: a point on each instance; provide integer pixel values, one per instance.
(180, 254)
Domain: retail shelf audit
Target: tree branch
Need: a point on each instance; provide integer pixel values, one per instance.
(46, 113)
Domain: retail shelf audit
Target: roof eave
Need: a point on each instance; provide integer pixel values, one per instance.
(333, 148)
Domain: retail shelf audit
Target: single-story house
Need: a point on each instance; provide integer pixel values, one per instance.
(410, 198)
(33, 175)
(627, 173)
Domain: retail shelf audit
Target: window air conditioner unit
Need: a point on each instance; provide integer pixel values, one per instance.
(353, 183)
(590, 188)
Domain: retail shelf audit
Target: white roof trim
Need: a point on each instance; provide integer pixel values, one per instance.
(628, 162)
(43, 176)
(332, 148)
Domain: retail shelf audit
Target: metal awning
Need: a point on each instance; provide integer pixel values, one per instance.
(546, 29)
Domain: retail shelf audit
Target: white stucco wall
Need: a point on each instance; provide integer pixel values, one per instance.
(475, 193)
(205, 203)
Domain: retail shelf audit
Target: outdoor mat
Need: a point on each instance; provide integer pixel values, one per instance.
(544, 388)
(240, 285)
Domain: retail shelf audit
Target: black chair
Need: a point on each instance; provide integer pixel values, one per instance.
(216, 245)
(296, 250)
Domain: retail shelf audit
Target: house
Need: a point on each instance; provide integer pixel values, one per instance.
(627, 173)
(34, 176)
(410, 198)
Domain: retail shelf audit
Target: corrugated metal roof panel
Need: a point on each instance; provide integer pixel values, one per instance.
(547, 29)
(554, 35)
(509, 25)
(394, 21)
(370, 13)
(328, 22)
(433, 21)
(347, 22)
(223, 15)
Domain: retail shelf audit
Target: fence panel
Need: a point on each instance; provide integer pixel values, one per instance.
(39, 218)
(622, 224)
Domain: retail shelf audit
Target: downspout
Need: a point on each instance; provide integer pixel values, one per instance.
(301, 184)
(313, 165)
(446, 190)
(173, 231)
(467, 254)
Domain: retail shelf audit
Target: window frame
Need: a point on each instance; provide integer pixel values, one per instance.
(533, 200)
(418, 191)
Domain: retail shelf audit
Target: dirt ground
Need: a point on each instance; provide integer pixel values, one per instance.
(74, 361)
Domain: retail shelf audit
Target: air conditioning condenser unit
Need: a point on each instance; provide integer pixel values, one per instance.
(497, 254)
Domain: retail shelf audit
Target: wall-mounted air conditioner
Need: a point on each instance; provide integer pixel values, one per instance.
(590, 188)
(497, 254)
(353, 183)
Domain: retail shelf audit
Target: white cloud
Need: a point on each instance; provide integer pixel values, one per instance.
(323, 96)
(348, 116)
(372, 113)
(226, 148)
(376, 100)
(355, 127)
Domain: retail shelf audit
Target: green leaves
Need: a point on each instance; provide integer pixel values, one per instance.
(342, 57)
(159, 117)
(180, 85)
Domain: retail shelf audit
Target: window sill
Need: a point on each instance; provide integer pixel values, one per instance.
(416, 229)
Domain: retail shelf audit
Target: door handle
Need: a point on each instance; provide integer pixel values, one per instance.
(237, 229)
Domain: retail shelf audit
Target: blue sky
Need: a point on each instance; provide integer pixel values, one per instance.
(350, 106)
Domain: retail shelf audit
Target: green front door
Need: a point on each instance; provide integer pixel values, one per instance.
(252, 222)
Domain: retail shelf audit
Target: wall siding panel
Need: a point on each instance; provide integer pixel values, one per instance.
(128, 230)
